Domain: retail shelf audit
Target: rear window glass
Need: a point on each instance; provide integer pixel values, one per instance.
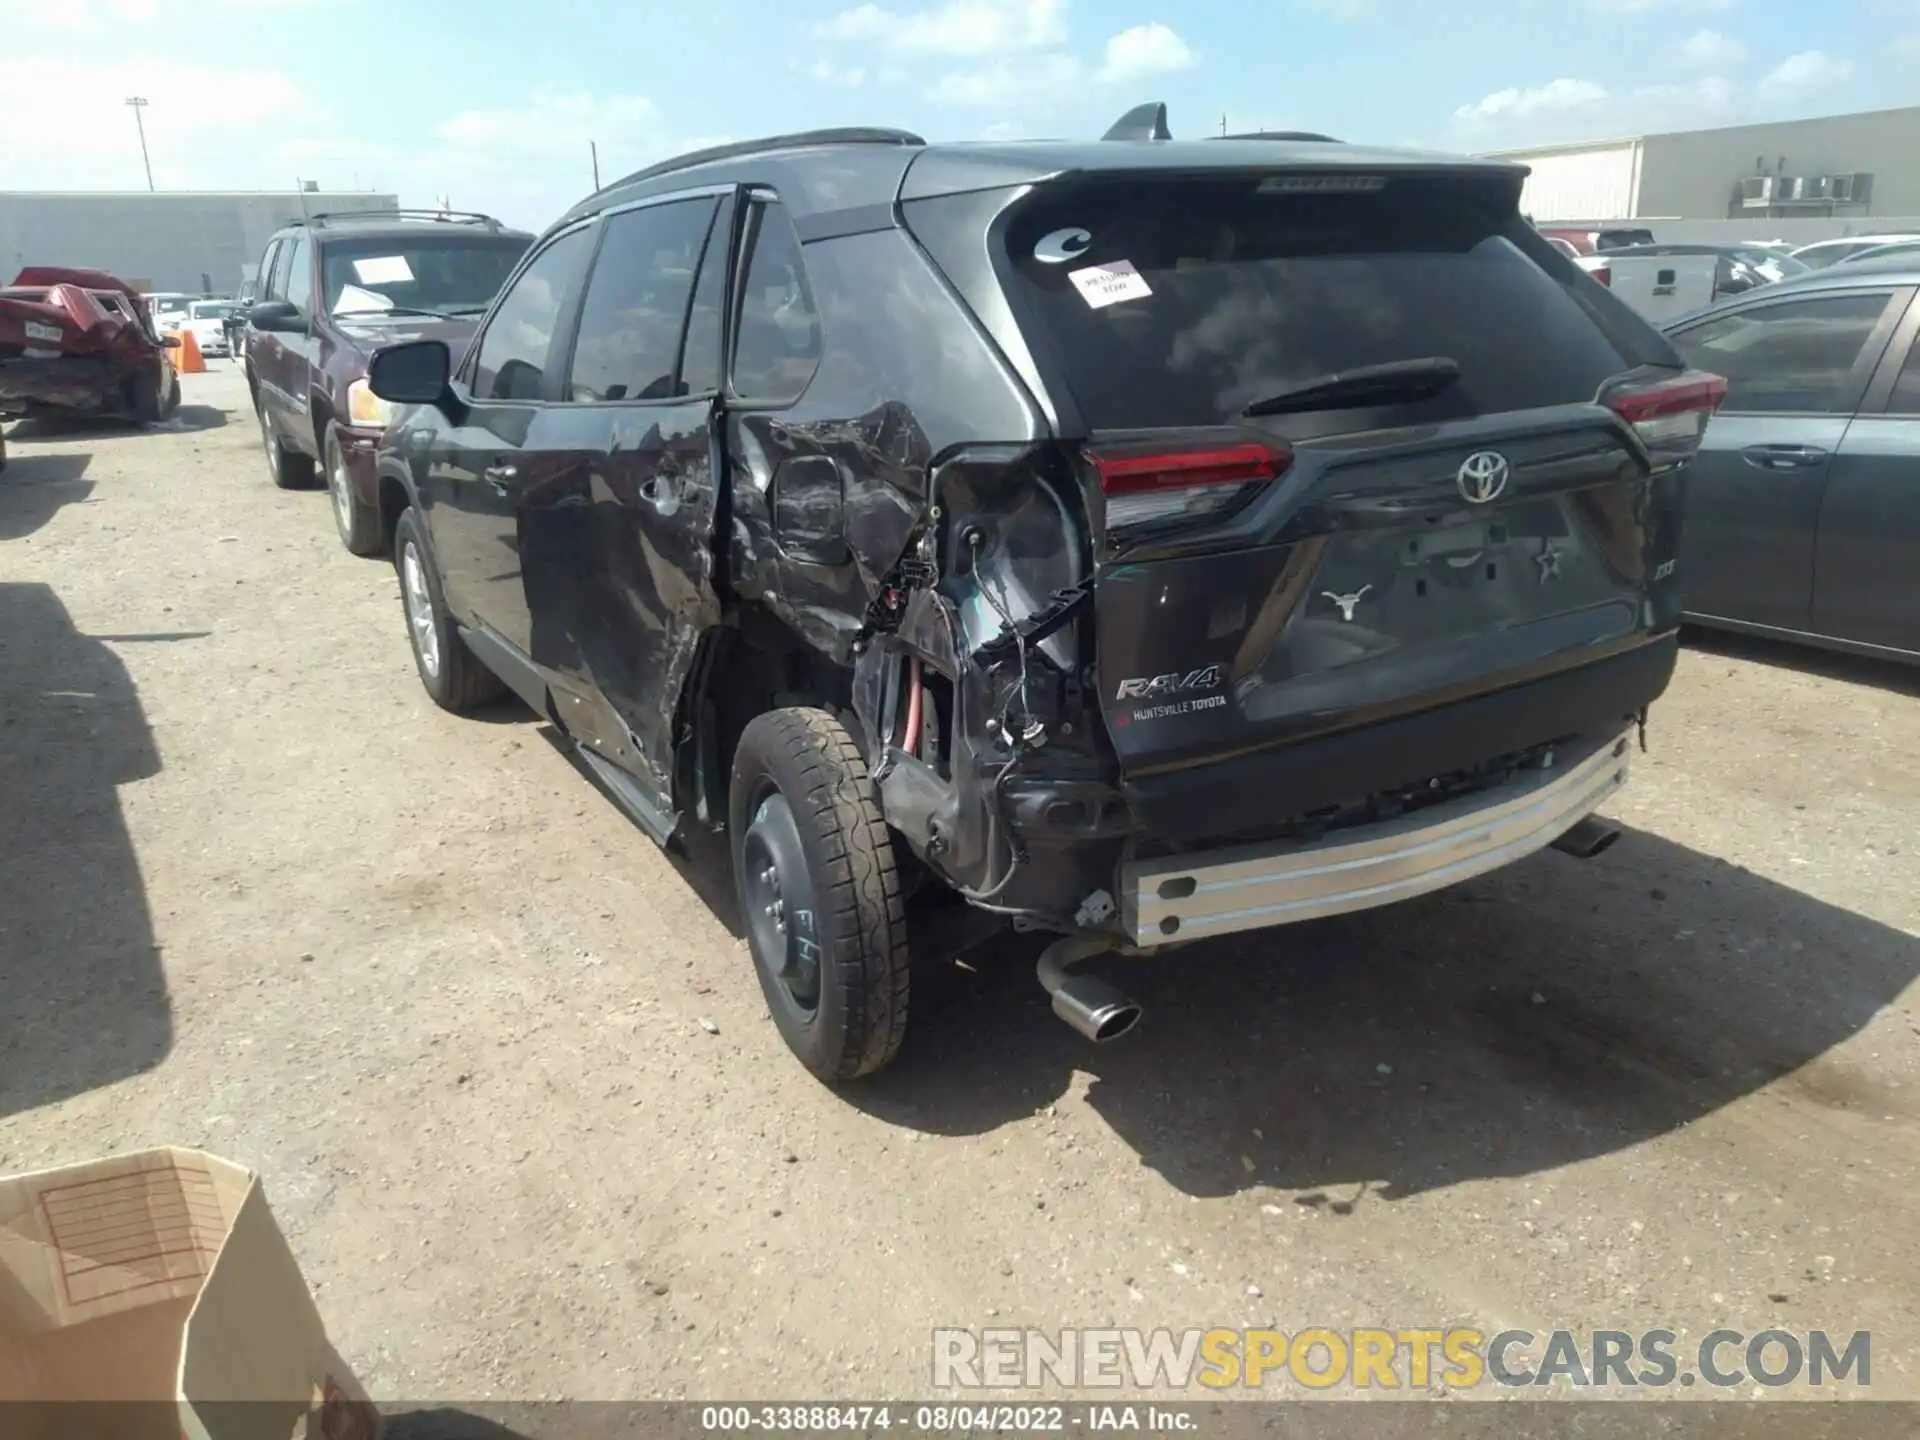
(1210, 295)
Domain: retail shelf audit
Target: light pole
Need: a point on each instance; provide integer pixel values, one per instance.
(137, 103)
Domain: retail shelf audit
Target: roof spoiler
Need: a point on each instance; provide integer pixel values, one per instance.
(1143, 122)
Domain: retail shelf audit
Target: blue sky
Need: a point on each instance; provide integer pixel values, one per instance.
(491, 103)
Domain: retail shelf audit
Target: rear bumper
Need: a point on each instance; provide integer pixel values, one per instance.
(77, 382)
(1253, 886)
(1246, 793)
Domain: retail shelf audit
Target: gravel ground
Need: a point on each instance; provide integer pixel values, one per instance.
(258, 895)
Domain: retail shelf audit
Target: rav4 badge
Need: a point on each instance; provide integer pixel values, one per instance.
(1151, 688)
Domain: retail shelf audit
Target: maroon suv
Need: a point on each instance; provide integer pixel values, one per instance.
(332, 290)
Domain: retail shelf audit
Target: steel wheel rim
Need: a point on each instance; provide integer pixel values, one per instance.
(777, 893)
(342, 497)
(419, 602)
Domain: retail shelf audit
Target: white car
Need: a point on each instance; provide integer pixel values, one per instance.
(207, 319)
(1823, 253)
(169, 309)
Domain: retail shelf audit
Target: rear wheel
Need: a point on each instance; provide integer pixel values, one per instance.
(358, 522)
(147, 397)
(288, 470)
(452, 676)
(814, 871)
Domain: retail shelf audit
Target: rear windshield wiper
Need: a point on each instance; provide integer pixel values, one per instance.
(1399, 380)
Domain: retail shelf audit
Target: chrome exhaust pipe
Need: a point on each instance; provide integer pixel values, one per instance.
(1091, 1006)
(1587, 839)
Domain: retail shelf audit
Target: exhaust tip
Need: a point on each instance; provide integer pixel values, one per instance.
(1589, 838)
(1094, 1009)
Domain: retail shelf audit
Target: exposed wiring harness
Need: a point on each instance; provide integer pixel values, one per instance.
(995, 820)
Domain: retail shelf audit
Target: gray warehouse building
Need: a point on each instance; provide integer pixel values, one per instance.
(1800, 179)
(198, 242)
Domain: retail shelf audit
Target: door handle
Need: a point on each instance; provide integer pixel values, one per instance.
(1784, 457)
(501, 476)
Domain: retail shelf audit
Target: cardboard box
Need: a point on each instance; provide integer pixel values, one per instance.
(153, 1295)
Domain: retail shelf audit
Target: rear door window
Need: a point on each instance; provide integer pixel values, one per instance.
(777, 345)
(1795, 357)
(633, 318)
(1210, 295)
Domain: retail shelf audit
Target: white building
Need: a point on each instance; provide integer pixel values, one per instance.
(202, 242)
(1798, 179)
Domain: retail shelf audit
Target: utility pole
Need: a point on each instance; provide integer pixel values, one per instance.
(1223, 124)
(137, 103)
(595, 147)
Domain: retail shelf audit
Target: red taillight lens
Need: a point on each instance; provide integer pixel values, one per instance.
(1148, 486)
(1670, 416)
(1604, 274)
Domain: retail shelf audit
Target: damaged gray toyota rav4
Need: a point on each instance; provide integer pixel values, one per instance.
(1143, 540)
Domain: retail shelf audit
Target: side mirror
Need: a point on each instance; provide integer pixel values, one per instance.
(170, 342)
(275, 315)
(416, 373)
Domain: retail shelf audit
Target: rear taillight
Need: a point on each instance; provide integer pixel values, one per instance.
(1604, 274)
(1155, 485)
(1670, 416)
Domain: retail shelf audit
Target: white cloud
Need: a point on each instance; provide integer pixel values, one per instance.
(1555, 95)
(1711, 51)
(960, 27)
(1804, 74)
(848, 77)
(1025, 82)
(98, 146)
(1145, 50)
(550, 124)
(1647, 7)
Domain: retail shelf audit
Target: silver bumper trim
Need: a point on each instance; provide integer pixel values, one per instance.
(1249, 887)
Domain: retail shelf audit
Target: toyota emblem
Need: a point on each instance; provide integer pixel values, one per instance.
(1483, 476)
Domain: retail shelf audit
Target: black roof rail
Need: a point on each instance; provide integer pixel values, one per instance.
(843, 135)
(1283, 135)
(445, 217)
(1143, 122)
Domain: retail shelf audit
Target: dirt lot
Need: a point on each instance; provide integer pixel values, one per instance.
(258, 895)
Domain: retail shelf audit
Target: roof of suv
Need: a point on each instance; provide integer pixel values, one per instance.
(1839, 277)
(823, 172)
(397, 224)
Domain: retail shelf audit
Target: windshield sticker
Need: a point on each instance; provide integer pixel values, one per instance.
(383, 270)
(1062, 245)
(1110, 284)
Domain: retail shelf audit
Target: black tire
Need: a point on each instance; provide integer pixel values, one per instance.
(452, 675)
(286, 468)
(805, 825)
(146, 397)
(172, 401)
(358, 523)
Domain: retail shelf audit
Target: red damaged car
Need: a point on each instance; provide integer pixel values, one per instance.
(80, 342)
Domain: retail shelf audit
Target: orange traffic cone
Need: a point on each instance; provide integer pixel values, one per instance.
(192, 362)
